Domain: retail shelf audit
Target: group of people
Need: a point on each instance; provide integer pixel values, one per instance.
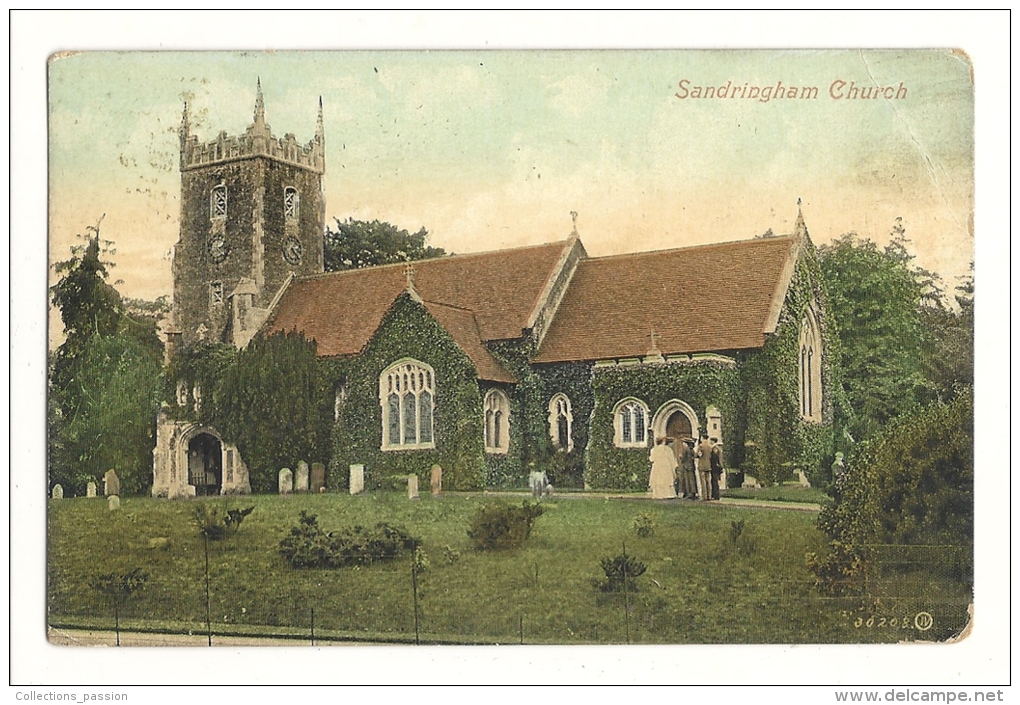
(681, 468)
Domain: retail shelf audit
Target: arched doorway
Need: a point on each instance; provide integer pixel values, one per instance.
(678, 426)
(205, 470)
(676, 419)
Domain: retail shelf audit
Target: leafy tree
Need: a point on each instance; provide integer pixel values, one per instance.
(948, 361)
(876, 299)
(109, 416)
(105, 378)
(268, 404)
(358, 243)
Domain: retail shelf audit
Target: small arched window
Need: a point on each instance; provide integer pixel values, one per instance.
(497, 422)
(218, 202)
(561, 423)
(291, 203)
(407, 397)
(631, 424)
(810, 369)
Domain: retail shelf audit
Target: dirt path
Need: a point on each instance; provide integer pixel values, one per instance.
(724, 502)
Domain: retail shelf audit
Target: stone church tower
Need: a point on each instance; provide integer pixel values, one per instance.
(252, 216)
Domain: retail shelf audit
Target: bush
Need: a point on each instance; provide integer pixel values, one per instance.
(644, 525)
(841, 571)
(621, 571)
(308, 546)
(496, 527)
(215, 526)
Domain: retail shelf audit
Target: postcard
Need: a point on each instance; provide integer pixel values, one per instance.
(562, 348)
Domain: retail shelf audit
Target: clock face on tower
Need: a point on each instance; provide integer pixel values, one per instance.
(218, 249)
(292, 250)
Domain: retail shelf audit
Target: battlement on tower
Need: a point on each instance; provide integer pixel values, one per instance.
(226, 148)
(257, 141)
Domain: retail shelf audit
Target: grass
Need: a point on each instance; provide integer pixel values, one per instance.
(700, 586)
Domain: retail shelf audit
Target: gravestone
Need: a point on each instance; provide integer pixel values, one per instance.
(90, 489)
(111, 483)
(286, 481)
(357, 479)
(437, 480)
(318, 477)
(301, 477)
(412, 487)
(58, 492)
(113, 502)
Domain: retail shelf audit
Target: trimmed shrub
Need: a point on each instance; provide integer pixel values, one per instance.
(621, 571)
(496, 527)
(644, 525)
(308, 546)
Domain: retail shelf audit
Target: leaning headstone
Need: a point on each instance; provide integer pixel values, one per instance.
(318, 477)
(113, 501)
(111, 483)
(286, 481)
(301, 477)
(90, 489)
(357, 479)
(58, 492)
(412, 487)
(436, 480)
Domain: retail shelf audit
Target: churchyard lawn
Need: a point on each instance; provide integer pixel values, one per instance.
(705, 581)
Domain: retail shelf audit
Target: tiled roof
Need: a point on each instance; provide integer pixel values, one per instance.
(462, 326)
(696, 299)
(342, 310)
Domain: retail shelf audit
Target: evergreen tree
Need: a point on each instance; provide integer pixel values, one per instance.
(269, 403)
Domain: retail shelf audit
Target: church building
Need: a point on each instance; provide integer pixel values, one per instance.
(494, 364)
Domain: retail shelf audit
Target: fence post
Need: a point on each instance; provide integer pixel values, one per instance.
(208, 620)
(626, 596)
(414, 587)
(313, 626)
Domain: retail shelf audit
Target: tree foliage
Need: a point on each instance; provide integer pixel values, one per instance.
(105, 378)
(269, 402)
(875, 301)
(358, 243)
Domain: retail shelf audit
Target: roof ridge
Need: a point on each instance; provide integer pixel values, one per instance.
(704, 246)
(446, 305)
(443, 258)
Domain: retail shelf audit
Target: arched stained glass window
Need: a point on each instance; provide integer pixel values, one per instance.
(407, 398)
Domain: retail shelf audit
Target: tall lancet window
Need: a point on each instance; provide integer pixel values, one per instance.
(810, 369)
(561, 423)
(497, 422)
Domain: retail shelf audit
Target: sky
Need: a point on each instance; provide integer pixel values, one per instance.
(494, 149)
(642, 168)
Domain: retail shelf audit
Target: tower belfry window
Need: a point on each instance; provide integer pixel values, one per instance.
(291, 202)
(218, 202)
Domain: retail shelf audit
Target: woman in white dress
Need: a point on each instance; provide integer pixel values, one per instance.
(663, 471)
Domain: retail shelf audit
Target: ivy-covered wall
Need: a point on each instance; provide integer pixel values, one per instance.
(574, 380)
(408, 331)
(699, 384)
(776, 441)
